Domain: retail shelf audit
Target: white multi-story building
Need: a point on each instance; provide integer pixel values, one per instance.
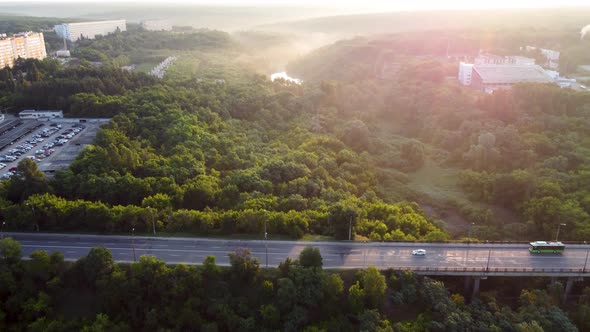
(465, 71)
(493, 77)
(75, 31)
(551, 55)
(23, 45)
(156, 25)
(32, 114)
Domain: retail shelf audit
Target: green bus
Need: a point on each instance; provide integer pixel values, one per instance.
(544, 247)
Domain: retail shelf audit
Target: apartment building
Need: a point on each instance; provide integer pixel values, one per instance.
(24, 45)
(74, 31)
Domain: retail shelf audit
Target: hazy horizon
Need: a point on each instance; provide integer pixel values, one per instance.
(366, 4)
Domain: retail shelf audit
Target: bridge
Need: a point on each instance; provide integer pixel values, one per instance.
(475, 261)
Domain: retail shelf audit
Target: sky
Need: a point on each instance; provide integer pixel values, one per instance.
(365, 4)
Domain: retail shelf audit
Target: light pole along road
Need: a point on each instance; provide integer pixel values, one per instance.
(335, 254)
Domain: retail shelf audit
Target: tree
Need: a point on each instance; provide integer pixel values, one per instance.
(271, 316)
(10, 250)
(413, 153)
(356, 298)
(27, 181)
(97, 264)
(160, 202)
(343, 218)
(374, 286)
(34, 75)
(310, 257)
(356, 135)
(529, 327)
(244, 268)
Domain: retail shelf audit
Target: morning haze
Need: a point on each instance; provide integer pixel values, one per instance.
(272, 166)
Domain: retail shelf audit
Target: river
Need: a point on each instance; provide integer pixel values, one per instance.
(284, 76)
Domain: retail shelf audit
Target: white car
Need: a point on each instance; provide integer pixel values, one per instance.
(6, 175)
(419, 252)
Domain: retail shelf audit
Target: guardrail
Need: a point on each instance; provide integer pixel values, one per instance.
(497, 271)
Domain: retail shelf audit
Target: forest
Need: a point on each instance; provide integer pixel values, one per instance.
(45, 293)
(223, 150)
(514, 163)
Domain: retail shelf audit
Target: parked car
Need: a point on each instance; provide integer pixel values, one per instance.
(6, 175)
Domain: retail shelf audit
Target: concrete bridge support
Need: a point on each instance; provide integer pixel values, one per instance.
(467, 284)
(568, 288)
(475, 293)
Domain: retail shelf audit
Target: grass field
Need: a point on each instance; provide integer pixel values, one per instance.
(437, 183)
(146, 67)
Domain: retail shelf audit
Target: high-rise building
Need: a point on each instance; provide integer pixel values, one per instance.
(24, 45)
(465, 71)
(74, 31)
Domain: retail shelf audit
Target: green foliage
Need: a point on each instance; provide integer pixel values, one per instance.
(10, 250)
(356, 298)
(244, 267)
(310, 257)
(374, 287)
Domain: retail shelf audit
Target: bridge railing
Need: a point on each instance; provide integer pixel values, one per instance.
(507, 270)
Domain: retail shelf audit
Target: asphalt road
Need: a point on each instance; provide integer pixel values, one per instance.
(335, 254)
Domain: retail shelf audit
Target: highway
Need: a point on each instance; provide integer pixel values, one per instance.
(453, 256)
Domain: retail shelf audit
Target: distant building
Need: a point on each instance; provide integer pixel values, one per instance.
(551, 55)
(492, 77)
(75, 31)
(465, 71)
(25, 45)
(492, 59)
(63, 54)
(34, 115)
(156, 25)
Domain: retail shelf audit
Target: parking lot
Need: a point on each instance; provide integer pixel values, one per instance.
(53, 145)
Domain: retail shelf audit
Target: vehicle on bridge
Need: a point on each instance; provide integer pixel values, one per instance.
(419, 252)
(545, 247)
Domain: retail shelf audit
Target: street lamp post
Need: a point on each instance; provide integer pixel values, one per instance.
(153, 221)
(33, 209)
(469, 233)
(557, 235)
(488, 265)
(2, 230)
(133, 243)
(350, 228)
(265, 243)
(586, 262)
